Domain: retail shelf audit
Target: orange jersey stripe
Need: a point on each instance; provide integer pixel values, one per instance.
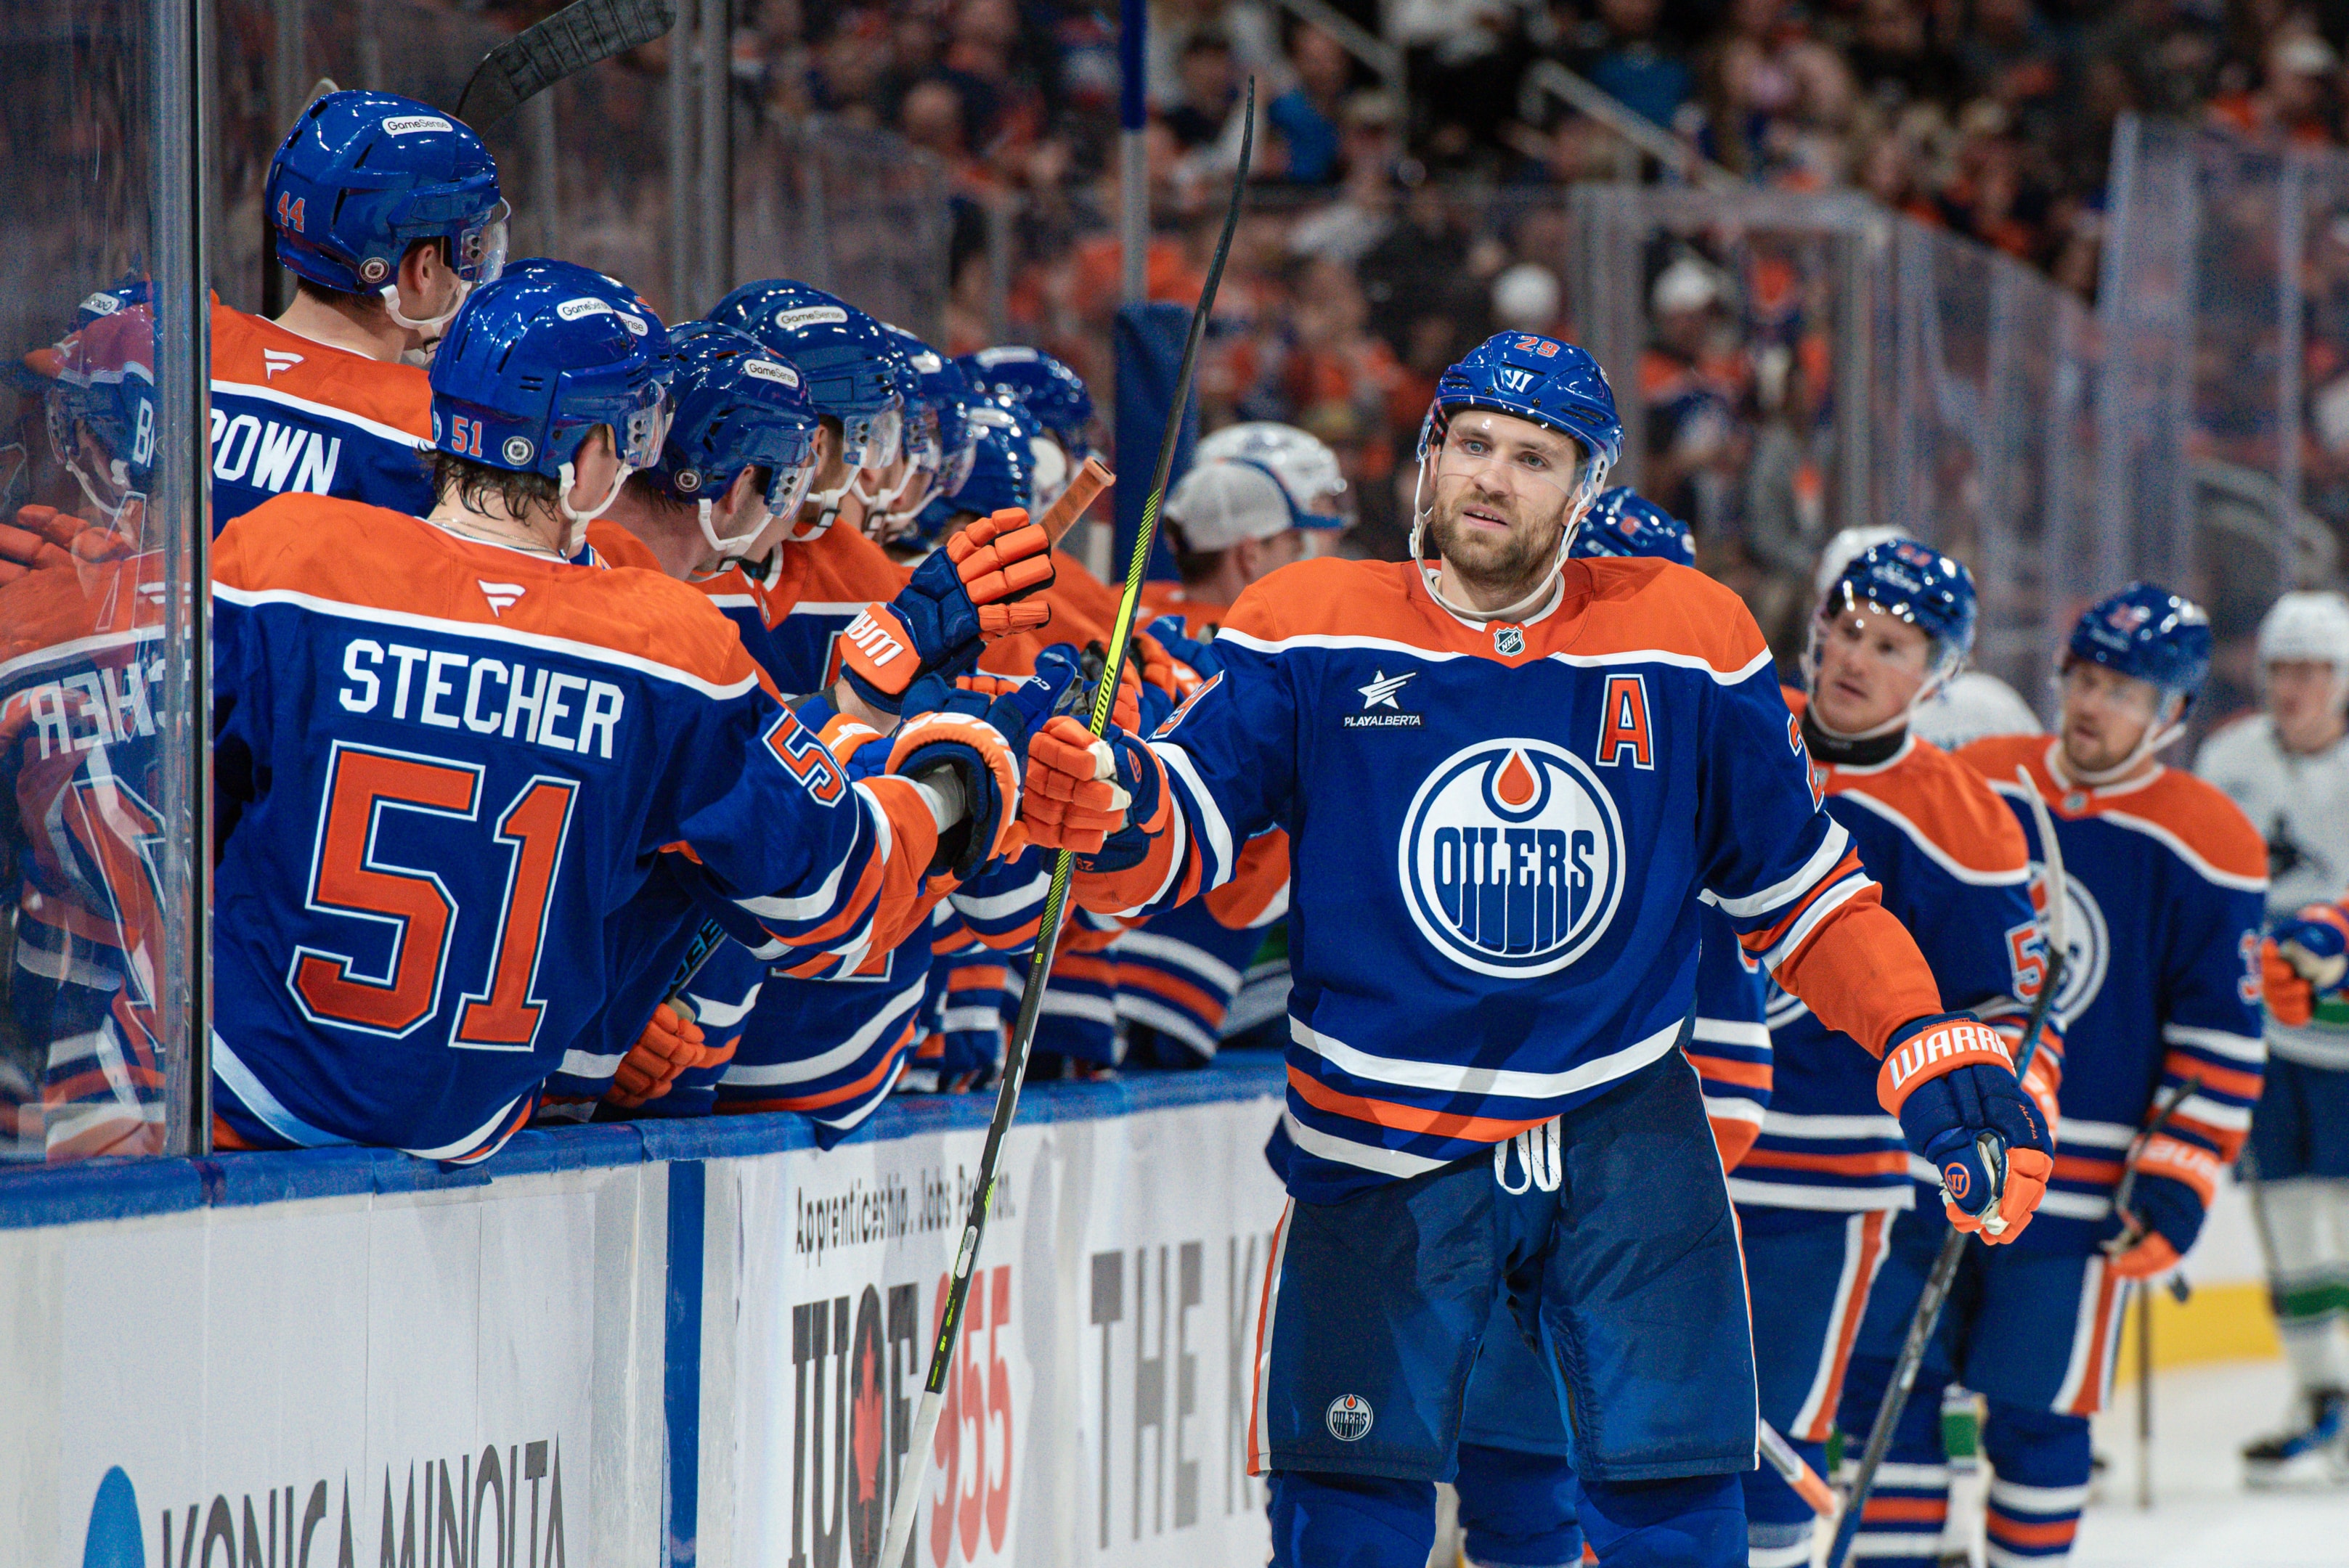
(1405, 1118)
(1722, 1069)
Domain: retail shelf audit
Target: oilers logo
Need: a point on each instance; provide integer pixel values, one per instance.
(1349, 1417)
(1512, 858)
(2086, 948)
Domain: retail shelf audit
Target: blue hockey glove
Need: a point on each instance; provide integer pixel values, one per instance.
(2171, 1189)
(1951, 1080)
(979, 587)
(2304, 958)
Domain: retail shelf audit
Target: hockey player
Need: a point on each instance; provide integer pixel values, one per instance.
(939, 442)
(1969, 704)
(444, 749)
(1516, 1474)
(1054, 398)
(1819, 1195)
(81, 710)
(2288, 768)
(387, 213)
(2162, 892)
(1493, 938)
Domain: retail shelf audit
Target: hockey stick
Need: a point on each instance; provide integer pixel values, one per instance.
(1796, 1473)
(907, 1499)
(1937, 1285)
(563, 45)
(2166, 1107)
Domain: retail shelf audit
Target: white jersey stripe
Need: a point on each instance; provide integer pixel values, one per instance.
(1444, 1077)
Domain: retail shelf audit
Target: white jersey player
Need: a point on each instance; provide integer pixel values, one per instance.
(2288, 767)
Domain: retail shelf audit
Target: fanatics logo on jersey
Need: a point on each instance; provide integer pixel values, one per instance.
(274, 360)
(501, 596)
(1381, 693)
(1349, 1418)
(1508, 641)
(1512, 858)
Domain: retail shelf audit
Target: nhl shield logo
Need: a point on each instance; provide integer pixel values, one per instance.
(1511, 858)
(1349, 1417)
(1508, 641)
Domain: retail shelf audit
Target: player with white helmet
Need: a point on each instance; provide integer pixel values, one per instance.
(2287, 767)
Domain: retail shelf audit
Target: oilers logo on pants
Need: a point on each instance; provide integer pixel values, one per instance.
(1512, 858)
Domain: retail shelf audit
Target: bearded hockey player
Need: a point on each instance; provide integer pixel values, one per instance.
(445, 749)
(1819, 1196)
(2288, 768)
(387, 213)
(2158, 1009)
(1515, 1478)
(1495, 933)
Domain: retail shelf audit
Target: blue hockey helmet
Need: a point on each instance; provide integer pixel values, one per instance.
(1003, 466)
(849, 361)
(1907, 582)
(1533, 378)
(533, 363)
(736, 406)
(1622, 521)
(99, 387)
(133, 287)
(947, 393)
(2149, 633)
(362, 176)
(1052, 395)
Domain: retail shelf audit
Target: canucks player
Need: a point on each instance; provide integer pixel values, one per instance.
(444, 749)
(2288, 768)
(1494, 939)
(1820, 1197)
(387, 213)
(2159, 1008)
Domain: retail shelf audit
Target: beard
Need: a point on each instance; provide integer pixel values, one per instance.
(1507, 568)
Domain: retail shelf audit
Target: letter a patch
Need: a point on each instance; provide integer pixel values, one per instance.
(1624, 723)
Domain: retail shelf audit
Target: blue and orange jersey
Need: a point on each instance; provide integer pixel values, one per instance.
(1953, 869)
(81, 710)
(1729, 1039)
(1180, 972)
(441, 759)
(790, 607)
(1498, 836)
(294, 416)
(1201, 616)
(2166, 885)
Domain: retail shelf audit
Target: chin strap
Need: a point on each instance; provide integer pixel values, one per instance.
(577, 539)
(2158, 734)
(431, 327)
(733, 546)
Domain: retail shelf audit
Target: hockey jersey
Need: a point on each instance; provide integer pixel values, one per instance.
(81, 710)
(1498, 834)
(1954, 871)
(440, 760)
(2164, 884)
(790, 607)
(2301, 805)
(292, 415)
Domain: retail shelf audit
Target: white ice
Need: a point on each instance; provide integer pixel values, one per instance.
(2201, 1516)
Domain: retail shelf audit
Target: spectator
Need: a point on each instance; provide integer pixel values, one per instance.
(1306, 116)
(1620, 51)
(1209, 91)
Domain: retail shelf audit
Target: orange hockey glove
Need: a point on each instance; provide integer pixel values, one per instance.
(671, 1044)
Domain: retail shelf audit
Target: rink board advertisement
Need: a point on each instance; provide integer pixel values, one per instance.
(1097, 1407)
(671, 1347)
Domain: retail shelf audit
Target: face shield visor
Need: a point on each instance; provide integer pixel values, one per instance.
(911, 483)
(636, 440)
(1469, 451)
(476, 254)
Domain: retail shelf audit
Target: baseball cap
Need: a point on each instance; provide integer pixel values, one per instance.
(1218, 505)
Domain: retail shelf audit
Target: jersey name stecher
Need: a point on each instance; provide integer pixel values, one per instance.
(485, 694)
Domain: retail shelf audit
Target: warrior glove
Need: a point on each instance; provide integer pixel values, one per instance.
(1951, 1080)
(981, 586)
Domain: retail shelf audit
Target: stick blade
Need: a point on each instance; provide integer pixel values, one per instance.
(563, 45)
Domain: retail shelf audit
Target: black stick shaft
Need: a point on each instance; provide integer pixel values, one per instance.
(906, 1500)
(1929, 1303)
